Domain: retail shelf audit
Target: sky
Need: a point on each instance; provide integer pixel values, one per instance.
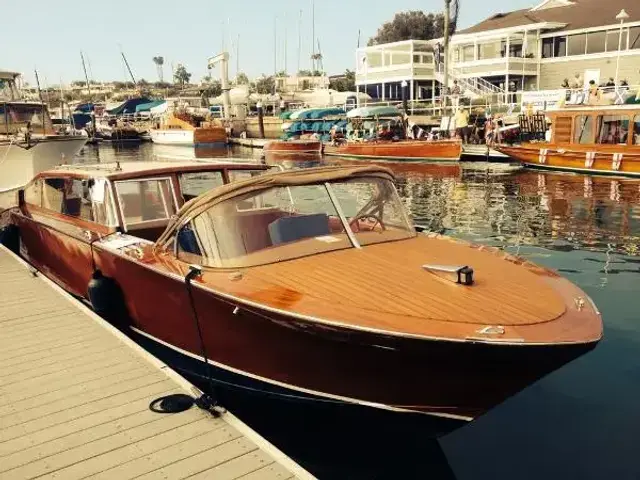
(48, 36)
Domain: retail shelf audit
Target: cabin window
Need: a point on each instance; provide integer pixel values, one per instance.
(197, 183)
(53, 194)
(33, 193)
(238, 175)
(636, 130)
(283, 223)
(77, 199)
(145, 200)
(583, 130)
(613, 129)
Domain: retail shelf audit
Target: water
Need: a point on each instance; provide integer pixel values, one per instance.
(579, 422)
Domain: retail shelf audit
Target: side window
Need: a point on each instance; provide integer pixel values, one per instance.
(613, 129)
(33, 193)
(53, 194)
(197, 183)
(145, 200)
(636, 130)
(188, 246)
(583, 129)
(77, 199)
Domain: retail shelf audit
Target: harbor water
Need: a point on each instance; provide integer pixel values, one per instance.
(579, 422)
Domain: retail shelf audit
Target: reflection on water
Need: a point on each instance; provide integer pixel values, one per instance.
(579, 422)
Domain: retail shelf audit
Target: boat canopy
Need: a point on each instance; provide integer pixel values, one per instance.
(316, 113)
(146, 107)
(301, 177)
(376, 111)
(129, 106)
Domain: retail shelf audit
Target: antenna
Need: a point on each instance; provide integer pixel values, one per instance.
(358, 38)
(319, 56)
(275, 51)
(237, 58)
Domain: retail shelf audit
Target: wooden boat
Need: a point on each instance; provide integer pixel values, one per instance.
(602, 140)
(189, 130)
(380, 132)
(293, 146)
(447, 150)
(311, 283)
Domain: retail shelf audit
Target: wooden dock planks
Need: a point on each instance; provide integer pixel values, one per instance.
(74, 398)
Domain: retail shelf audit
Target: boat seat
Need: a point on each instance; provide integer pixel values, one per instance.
(187, 241)
(297, 227)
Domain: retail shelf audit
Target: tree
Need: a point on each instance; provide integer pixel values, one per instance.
(265, 84)
(242, 79)
(212, 89)
(181, 75)
(159, 61)
(345, 83)
(412, 25)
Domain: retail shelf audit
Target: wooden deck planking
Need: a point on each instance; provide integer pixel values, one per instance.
(74, 397)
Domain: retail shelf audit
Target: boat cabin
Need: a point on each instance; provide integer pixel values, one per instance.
(615, 125)
(289, 215)
(135, 197)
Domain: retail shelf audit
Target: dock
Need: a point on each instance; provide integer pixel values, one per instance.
(75, 395)
(482, 153)
(248, 142)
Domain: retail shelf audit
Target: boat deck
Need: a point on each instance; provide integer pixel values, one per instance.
(249, 142)
(75, 395)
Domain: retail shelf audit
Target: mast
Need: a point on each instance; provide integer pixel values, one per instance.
(285, 42)
(447, 4)
(86, 77)
(237, 58)
(275, 53)
(299, 40)
(313, 37)
(128, 68)
(38, 84)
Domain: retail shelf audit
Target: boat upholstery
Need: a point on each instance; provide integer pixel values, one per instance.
(289, 229)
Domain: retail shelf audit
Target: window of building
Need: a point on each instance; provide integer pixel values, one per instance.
(583, 129)
(577, 44)
(613, 129)
(560, 47)
(547, 47)
(636, 130)
(596, 42)
(467, 53)
(613, 37)
(634, 38)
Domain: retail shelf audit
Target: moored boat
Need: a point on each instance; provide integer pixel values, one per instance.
(28, 141)
(189, 130)
(602, 140)
(310, 283)
(381, 133)
(293, 146)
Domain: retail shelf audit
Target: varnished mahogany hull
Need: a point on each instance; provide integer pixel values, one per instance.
(293, 146)
(578, 158)
(406, 149)
(269, 349)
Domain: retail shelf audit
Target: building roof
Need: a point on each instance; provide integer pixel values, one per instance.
(6, 75)
(577, 14)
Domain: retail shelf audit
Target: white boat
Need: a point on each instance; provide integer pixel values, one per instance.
(28, 144)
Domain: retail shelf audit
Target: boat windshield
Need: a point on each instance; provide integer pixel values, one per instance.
(283, 223)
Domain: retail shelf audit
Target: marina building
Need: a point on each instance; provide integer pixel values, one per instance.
(531, 49)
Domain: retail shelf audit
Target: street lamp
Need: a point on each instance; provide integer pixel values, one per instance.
(404, 85)
(622, 16)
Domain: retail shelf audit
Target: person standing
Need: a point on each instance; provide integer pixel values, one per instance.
(455, 95)
(462, 125)
(595, 95)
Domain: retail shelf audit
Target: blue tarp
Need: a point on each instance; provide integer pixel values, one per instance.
(129, 106)
(80, 120)
(85, 107)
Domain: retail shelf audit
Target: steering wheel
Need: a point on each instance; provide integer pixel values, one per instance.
(377, 219)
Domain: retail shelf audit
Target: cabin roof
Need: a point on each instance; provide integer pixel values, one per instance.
(133, 169)
(289, 178)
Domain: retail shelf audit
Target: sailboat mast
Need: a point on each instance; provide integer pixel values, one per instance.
(129, 69)
(39, 90)
(86, 77)
(299, 39)
(285, 42)
(313, 37)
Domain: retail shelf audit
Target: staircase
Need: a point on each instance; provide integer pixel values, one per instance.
(475, 87)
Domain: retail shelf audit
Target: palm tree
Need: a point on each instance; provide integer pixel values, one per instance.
(159, 61)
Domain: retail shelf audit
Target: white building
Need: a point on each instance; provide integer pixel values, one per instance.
(535, 48)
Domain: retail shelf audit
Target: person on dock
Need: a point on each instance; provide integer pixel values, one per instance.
(595, 95)
(455, 95)
(462, 124)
